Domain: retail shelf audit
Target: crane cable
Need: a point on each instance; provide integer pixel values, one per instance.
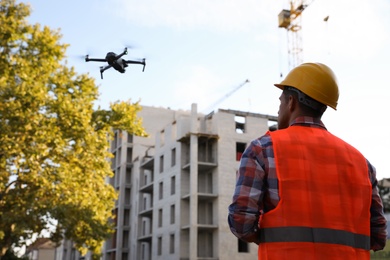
(227, 95)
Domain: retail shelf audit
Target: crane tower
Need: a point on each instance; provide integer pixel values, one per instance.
(290, 19)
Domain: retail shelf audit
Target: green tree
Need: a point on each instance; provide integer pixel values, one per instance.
(54, 146)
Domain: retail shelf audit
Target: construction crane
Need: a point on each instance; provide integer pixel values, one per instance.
(291, 21)
(228, 95)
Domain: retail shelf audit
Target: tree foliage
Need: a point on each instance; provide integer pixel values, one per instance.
(54, 144)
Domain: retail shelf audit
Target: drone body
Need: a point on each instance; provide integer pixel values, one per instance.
(115, 61)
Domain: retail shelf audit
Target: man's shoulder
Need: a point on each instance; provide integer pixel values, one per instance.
(263, 141)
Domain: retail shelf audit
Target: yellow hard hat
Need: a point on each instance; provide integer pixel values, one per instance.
(315, 80)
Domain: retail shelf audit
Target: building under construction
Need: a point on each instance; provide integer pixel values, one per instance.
(175, 186)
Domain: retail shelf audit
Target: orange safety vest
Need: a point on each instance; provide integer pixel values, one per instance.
(325, 198)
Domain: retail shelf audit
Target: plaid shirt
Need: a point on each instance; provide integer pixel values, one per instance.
(257, 192)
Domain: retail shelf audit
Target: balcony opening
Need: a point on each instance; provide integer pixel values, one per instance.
(240, 124)
(243, 247)
(240, 148)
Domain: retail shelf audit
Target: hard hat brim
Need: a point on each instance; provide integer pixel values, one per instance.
(281, 86)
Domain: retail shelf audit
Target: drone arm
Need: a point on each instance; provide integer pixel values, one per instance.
(133, 62)
(93, 59)
(123, 53)
(136, 62)
(102, 69)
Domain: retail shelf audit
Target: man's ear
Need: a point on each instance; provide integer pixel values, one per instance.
(292, 103)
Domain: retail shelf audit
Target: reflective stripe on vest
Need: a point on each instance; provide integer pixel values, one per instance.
(316, 235)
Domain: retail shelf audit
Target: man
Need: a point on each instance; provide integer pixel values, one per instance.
(301, 192)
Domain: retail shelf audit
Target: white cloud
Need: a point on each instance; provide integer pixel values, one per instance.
(224, 15)
(199, 86)
(356, 29)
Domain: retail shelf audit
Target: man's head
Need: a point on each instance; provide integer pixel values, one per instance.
(307, 90)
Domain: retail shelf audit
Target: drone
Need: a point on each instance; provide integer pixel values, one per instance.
(115, 61)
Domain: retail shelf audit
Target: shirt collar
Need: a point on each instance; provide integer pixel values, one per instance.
(308, 121)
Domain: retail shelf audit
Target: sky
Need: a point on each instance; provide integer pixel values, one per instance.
(203, 51)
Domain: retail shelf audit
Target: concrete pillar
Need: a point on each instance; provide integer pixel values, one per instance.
(194, 184)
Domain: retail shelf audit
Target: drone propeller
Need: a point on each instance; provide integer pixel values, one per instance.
(129, 46)
(76, 56)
